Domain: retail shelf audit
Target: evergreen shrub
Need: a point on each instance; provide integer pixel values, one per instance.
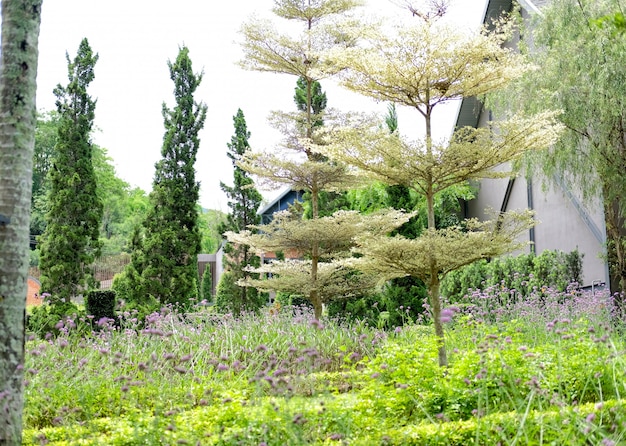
(45, 320)
(100, 304)
(523, 273)
(206, 290)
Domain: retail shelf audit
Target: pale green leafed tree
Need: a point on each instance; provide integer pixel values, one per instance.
(324, 28)
(420, 65)
(21, 20)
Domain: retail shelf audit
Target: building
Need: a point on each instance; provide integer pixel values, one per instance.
(565, 222)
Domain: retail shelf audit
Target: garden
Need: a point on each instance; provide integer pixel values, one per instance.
(545, 368)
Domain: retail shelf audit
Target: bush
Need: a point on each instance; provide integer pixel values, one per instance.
(522, 274)
(206, 287)
(230, 298)
(100, 304)
(46, 319)
(292, 300)
(401, 301)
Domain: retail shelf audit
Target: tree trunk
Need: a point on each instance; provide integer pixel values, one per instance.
(315, 257)
(435, 303)
(616, 253)
(18, 72)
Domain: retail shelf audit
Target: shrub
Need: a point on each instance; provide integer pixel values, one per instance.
(400, 302)
(292, 300)
(100, 304)
(522, 274)
(231, 298)
(206, 290)
(46, 319)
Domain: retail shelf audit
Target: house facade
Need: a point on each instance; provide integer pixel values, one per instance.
(564, 221)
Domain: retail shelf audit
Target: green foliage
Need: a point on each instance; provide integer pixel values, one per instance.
(206, 286)
(100, 304)
(70, 242)
(44, 319)
(286, 300)
(209, 223)
(235, 299)
(616, 21)
(317, 99)
(400, 302)
(46, 138)
(243, 200)
(523, 274)
(285, 379)
(164, 264)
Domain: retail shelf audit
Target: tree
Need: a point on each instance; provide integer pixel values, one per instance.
(579, 49)
(46, 137)
(306, 56)
(114, 195)
(243, 201)
(18, 73)
(70, 242)
(165, 265)
(210, 223)
(421, 65)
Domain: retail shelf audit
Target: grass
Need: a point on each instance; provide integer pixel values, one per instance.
(546, 370)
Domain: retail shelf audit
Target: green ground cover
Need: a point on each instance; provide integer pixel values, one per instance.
(546, 369)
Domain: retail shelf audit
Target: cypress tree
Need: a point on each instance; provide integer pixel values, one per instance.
(166, 256)
(244, 201)
(70, 242)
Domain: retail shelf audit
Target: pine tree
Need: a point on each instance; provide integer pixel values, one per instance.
(243, 201)
(165, 258)
(21, 20)
(422, 65)
(70, 242)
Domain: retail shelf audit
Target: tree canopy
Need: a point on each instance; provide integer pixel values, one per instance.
(164, 260)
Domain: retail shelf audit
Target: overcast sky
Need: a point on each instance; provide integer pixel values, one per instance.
(136, 38)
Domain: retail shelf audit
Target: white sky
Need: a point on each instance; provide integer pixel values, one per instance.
(136, 38)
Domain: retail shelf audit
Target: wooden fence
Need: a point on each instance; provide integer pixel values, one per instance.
(104, 269)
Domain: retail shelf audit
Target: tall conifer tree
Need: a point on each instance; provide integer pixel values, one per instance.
(165, 265)
(70, 242)
(243, 201)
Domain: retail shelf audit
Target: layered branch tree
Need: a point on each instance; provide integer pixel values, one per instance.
(70, 242)
(18, 73)
(421, 65)
(298, 164)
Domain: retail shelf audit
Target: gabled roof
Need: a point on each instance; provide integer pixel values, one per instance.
(262, 210)
(471, 108)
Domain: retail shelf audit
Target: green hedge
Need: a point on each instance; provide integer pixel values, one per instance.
(100, 304)
(523, 273)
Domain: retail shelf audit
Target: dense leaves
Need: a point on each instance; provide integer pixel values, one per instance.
(164, 259)
(70, 242)
(243, 201)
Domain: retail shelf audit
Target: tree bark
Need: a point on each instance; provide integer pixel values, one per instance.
(435, 303)
(18, 72)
